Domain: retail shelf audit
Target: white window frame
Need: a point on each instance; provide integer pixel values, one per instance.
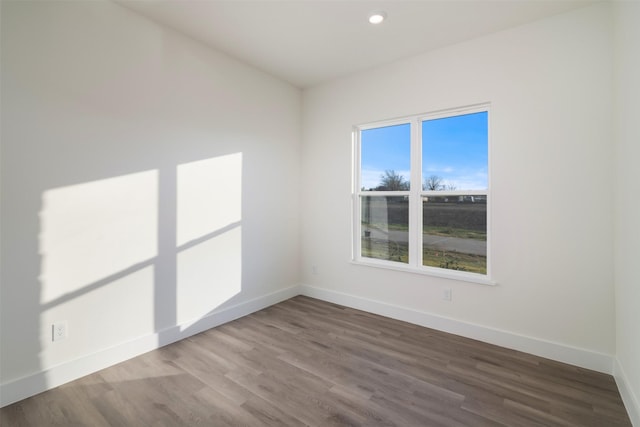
(415, 195)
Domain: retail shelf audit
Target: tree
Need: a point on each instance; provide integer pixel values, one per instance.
(434, 183)
(391, 181)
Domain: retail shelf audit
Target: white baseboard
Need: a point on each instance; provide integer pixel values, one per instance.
(38, 382)
(629, 398)
(551, 350)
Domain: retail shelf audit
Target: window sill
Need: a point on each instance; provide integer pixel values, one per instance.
(427, 271)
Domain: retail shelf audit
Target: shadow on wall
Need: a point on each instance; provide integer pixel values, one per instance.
(130, 255)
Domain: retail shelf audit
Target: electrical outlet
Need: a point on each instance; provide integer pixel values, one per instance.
(59, 330)
(446, 294)
(314, 269)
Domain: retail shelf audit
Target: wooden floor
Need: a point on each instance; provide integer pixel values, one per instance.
(308, 362)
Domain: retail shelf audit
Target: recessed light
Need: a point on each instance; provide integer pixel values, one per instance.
(377, 17)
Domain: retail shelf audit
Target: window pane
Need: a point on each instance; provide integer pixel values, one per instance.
(385, 228)
(385, 158)
(455, 153)
(455, 233)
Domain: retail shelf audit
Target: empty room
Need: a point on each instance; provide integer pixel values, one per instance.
(322, 213)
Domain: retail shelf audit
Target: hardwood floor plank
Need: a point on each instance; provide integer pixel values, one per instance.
(306, 362)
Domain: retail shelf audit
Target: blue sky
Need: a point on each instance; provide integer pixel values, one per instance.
(454, 148)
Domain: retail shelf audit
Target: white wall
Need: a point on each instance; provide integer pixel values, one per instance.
(549, 84)
(148, 182)
(627, 204)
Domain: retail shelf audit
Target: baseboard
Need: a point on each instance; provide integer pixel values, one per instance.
(30, 385)
(38, 382)
(629, 398)
(551, 350)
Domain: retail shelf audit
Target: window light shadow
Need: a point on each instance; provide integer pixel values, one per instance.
(209, 235)
(137, 254)
(93, 230)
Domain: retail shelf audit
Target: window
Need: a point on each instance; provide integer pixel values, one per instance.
(422, 193)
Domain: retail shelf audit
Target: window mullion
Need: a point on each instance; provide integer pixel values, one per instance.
(415, 212)
(356, 203)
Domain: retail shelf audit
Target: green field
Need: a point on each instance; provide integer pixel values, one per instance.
(462, 233)
(399, 252)
(384, 249)
(445, 231)
(442, 216)
(454, 260)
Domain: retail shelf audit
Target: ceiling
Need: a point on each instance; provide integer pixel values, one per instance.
(307, 42)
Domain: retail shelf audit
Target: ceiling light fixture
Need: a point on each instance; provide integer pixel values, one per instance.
(377, 17)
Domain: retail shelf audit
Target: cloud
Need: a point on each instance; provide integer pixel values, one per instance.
(436, 169)
(461, 180)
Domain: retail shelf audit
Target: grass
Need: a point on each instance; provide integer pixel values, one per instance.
(453, 260)
(385, 249)
(399, 252)
(385, 226)
(463, 233)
